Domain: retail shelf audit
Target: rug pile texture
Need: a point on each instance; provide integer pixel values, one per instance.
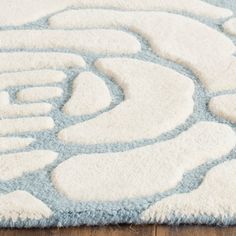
(117, 111)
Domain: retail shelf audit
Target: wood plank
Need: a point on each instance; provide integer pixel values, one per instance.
(128, 230)
(125, 230)
(194, 231)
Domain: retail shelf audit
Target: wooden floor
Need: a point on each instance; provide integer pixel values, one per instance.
(149, 230)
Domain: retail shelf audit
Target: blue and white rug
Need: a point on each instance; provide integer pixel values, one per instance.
(117, 111)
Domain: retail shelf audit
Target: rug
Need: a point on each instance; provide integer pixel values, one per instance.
(117, 111)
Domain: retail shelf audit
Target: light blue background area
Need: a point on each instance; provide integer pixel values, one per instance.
(68, 213)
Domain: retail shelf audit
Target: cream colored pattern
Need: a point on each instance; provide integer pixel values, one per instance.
(95, 41)
(224, 106)
(63, 123)
(157, 99)
(16, 164)
(142, 171)
(19, 12)
(213, 63)
(90, 94)
(214, 197)
(22, 205)
(38, 94)
(16, 61)
(36, 77)
(12, 143)
(230, 26)
(14, 110)
(28, 124)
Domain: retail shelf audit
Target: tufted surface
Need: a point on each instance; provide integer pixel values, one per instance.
(117, 111)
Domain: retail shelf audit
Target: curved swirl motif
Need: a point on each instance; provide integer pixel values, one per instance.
(105, 110)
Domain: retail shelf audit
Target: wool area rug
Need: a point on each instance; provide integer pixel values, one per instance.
(117, 111)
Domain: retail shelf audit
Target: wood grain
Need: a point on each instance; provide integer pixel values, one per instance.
(147, 230)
